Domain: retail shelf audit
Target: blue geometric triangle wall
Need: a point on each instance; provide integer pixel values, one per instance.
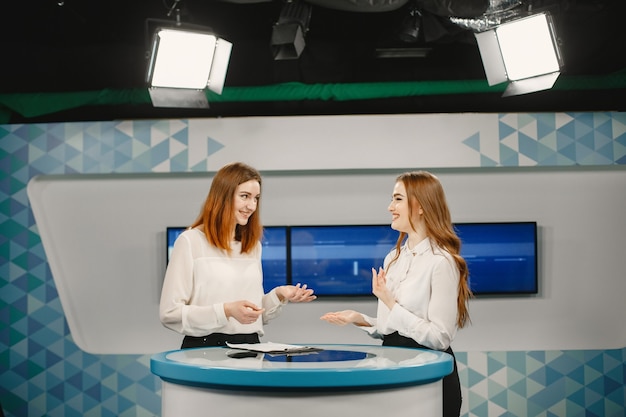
(557, 139)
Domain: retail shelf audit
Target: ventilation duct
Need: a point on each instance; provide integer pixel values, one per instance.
(457, 8)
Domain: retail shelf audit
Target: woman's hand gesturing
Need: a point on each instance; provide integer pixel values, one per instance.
(379, 288)
(341, 318)
(243, 311)
(295, 293)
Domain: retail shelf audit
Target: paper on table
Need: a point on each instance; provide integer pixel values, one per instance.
(271, 347)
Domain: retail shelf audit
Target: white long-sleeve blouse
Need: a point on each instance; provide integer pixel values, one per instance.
(200, 278)
(424, 281)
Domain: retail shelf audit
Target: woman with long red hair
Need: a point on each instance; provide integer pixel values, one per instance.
(213, 287)
(422, 288)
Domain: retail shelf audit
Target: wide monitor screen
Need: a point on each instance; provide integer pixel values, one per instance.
(337, 260)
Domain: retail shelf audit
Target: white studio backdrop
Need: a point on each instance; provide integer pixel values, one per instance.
(104, 236)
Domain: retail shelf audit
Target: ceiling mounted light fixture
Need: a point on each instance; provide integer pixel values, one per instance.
(411, 26)
(185, 60)
(290, 30)
(183, 63)
(523, 52)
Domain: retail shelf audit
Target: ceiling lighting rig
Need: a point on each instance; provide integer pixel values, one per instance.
(290, 30)
(184, 61)
(517, 46)
(523, 52)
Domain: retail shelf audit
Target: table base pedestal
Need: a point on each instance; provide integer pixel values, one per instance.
(188, 401)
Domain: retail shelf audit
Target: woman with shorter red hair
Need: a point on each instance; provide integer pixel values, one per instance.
(422, 288)
(213, 287)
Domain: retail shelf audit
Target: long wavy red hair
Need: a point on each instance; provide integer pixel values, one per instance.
(424, 189)
(217, 216)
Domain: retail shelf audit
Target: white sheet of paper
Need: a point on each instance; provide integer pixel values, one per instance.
(269, 347)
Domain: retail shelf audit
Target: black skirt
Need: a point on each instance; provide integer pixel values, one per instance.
(451, 383)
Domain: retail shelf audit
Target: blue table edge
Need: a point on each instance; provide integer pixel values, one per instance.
(308, 378)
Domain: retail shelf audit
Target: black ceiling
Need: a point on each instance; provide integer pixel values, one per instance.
(91, 45)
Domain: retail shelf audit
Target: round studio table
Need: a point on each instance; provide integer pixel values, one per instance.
(363, 380)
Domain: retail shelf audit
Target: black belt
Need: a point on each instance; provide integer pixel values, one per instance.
(396, 339)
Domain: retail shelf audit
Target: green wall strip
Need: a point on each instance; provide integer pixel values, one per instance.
(39, 104)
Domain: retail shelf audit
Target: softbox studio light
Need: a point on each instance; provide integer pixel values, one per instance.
(183, 63)
(523, 52)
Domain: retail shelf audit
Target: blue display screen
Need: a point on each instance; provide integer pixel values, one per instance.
(337, 260)
(172, 234)
(501, 257)
(274, 254)
(274, 257)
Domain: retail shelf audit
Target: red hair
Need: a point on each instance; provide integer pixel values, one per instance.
(424, 189)
(217, 216)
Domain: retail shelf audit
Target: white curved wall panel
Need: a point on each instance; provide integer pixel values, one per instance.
(104, 236)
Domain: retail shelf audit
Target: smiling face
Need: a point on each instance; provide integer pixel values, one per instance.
(401, 211)
(245, 201)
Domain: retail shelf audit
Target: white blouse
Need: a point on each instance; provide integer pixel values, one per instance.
(424, 281)
(200, 278)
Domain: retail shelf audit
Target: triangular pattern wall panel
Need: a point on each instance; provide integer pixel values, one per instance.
(559, 139)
